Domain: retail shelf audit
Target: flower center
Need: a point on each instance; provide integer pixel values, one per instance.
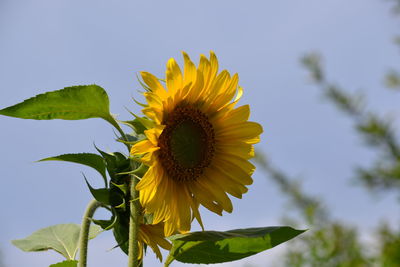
(186, 143)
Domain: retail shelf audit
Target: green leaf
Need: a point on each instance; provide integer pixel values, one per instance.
(71, 263)
(217, 247)
(70, 103)
(92, 160)
(62, 238)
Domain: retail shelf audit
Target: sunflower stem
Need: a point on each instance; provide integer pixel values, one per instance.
(133, 247)
(84, 233)
(133, 251)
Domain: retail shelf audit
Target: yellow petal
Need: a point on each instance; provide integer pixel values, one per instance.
(148, 158)
(204, 198)
(213, 63)
(239, 131)
(153, 134)
(153, 84)
(205, 68)
(235, 172)
(142, 147)
(237, 115)
(218, 85)
(153, 99)
(226, 93)
(190, 70)
(239, 149)
(174, 77)
(225, 182)
(196, 214)
(197, 92)
(217, 192)
(183, 207)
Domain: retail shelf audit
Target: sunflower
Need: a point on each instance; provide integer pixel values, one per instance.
(153, 236)
(198, 145)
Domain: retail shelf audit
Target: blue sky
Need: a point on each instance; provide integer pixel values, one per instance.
(47, 45)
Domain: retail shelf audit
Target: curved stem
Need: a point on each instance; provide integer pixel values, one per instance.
(133, 252)
(84, 233)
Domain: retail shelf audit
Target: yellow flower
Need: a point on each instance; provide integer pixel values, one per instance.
(153, 236)
(199, 147)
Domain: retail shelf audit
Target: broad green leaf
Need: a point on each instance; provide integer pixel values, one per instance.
(62, 238)
(217, 247)
(71, 103)
(70, 263)
(92, 160)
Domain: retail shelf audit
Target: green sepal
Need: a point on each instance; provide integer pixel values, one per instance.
(101, 194)
(123, 187)
(70, 263)
(131, 139)
(136, 125)
(148, 218)
(92, 160)
(106, 224)
(139, 103)
(122, 205)
(141, 124)
(217, 247)
(145, 87)
(139, 171)
(121, 234)
(115, 163)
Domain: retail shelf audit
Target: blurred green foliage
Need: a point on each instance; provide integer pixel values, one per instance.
(396, 6)
(331, 242)
(1, 259)
(392, 79)
(377, 131)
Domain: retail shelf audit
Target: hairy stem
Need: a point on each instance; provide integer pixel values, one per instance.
(133, 252)
(84, 234)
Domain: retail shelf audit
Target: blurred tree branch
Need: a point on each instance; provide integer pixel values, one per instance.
(378, 132)
(396, 6)
(330, 242)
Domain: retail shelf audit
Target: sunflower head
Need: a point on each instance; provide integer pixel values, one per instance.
(187, 143)
(199, 143)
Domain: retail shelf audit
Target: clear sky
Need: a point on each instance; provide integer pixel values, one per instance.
(47, 45)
